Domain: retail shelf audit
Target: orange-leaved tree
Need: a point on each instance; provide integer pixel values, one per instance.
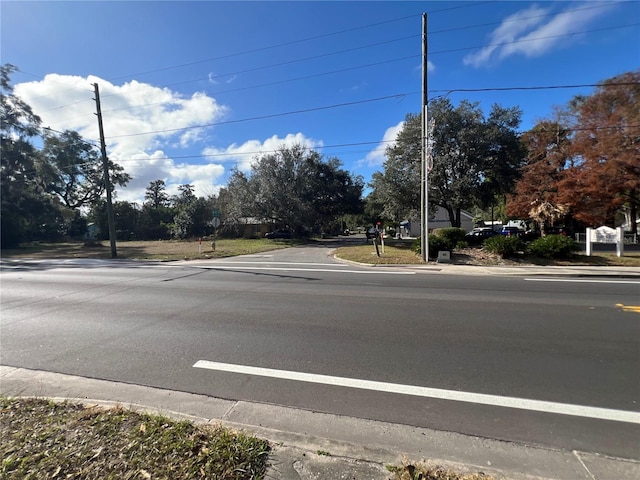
(606, 146)
(536, 194)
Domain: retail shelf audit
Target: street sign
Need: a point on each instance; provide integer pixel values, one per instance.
(216, 222)
(216, 213)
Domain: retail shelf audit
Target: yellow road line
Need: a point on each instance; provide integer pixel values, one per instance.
(628, 308)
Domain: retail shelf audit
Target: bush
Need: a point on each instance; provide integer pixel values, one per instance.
(553, 246)
(436, 244)
(505, 246)
(452, 236)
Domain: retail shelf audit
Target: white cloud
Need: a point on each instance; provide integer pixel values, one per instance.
(532, 33)
(376, 157)
(66, 102)
(243, 155)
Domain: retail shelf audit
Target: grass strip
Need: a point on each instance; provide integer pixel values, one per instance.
(45, 439)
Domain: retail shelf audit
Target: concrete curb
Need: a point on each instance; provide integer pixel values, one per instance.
(356, 448)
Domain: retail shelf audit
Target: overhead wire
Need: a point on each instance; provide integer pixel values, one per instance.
(316, 147)
(368, 65)
(347, 50)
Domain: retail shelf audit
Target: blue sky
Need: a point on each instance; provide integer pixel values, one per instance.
(191, 90)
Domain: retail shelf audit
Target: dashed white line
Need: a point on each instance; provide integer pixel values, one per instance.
(478, 398)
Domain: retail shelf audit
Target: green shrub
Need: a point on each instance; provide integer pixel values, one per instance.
(553, 246)
(436, 244)
(444, 239)
(505, 246)
(452, 236)
(462, 244)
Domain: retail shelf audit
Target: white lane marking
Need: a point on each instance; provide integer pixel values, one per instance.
(285, 269)
(480, 398)
(580, 280)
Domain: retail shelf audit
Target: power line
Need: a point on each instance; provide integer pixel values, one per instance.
(263, 117)
(368, 65)
(363, 47)
(387, 97)
(319, 147)
(317, 37)
(261, 49)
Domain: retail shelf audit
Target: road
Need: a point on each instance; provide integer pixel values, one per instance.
(544, 361)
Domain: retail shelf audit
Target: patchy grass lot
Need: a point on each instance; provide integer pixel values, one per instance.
(395, 253)
(150, 250)
(44, 439)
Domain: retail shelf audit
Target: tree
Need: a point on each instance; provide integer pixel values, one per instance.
(397, 188)
(183, 211)
(473, 160)
(156, 194)
(298, 188)
(536, 193)
(236, 202)
(504, 156)
(457, 153)
(72, 169)
(25, 207)
(607, 143)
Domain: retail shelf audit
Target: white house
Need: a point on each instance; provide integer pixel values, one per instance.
(439, 220)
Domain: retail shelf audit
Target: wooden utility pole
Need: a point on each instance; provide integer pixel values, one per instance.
(107, 182)
(424, 171)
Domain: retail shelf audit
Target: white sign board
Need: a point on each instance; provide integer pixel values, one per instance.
(606, 235)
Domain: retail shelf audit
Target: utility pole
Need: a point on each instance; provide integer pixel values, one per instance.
(424, 171)
(107, 182)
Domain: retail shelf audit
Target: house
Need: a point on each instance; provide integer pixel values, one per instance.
(439, 220)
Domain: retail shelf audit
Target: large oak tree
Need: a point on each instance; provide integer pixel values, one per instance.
(475, 159)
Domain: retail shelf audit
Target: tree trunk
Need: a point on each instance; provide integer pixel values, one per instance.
(452, 217)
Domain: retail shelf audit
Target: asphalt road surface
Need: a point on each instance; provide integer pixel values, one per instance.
(544, 361)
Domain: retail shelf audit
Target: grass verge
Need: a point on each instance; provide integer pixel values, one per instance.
(45, 439)
(397, 253)
(400, 254)
(152, 250)
(393, 255)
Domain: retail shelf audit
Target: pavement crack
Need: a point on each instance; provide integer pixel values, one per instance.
(577, 455)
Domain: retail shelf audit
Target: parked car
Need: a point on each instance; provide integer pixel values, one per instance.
(280, 233)
(511, 232)
(479, 235)
(530, 235)
(372, 233)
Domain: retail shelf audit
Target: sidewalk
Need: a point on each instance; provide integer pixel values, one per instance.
(531, 270)
(310, 445)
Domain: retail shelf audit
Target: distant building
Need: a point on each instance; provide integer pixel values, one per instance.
(439, 220)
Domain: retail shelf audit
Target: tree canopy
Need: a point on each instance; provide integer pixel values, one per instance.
(585, 164)
(71, 169)
(294, 187)
(42, 190)
(474, 160)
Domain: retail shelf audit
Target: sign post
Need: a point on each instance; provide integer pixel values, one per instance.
(216, 224)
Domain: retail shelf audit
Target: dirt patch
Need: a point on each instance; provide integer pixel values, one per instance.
(478, 256)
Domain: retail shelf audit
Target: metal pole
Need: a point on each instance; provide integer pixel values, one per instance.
(424, 189)
(107, 182)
